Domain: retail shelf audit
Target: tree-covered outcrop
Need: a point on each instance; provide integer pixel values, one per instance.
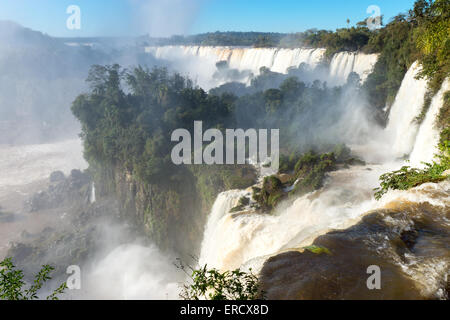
(127, 120)
(301, 174)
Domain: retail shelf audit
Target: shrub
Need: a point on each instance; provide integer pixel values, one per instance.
(12, 283)
(408, 177)
(211, 284)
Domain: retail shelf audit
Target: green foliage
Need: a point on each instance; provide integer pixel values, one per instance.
(243, 202)
(211, 284)
(397, 53)
(311, 172)
(407, 177)
(271, 193)
(342, 153)
(431, 35)
(421, 35)
(345, 39)
(444, 113)
(318, 250)
(223, 39)
(127, 119)
(287, 163)
(12, 283)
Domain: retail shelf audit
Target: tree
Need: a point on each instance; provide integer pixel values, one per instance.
(12, 283)
(432, 39)
(211, 284)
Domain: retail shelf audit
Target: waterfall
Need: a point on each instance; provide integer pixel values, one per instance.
(253, 59)
(231, 241)
(220, 210)
(276, 59)
(427, 139)
(343, 63)
(402, 129)
(92, 198)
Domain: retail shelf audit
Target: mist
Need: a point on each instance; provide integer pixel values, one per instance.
(41, 76)
(165, 18)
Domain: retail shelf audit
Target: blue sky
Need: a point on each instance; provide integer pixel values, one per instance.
(165, 17)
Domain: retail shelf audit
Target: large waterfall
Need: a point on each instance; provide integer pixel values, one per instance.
(248, 239)
(402, 127)
(276, 59)
(427, 139)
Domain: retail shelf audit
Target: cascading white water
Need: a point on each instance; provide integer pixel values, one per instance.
(233, 240)
(402, 128)
(276, 59)
(427, 139)
(222, 206)
(92, 198)
(343, 63)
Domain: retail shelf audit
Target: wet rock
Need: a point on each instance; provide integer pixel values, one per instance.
(78, 179)
(409, 237)
(409, 245)
(57, 176)
(74, 242)
(61, 192)
(284, 178)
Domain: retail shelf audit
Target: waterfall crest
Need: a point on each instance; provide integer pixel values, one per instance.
(343, 63)
(276, 59)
